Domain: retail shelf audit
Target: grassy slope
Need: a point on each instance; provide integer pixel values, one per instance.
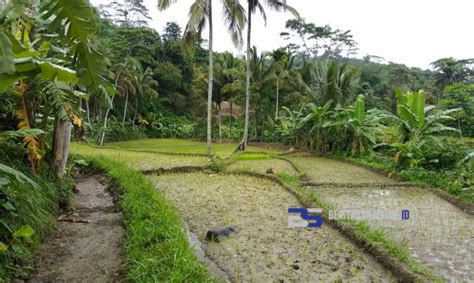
(156, 247)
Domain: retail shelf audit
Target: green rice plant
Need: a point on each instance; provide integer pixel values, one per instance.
(253, 156)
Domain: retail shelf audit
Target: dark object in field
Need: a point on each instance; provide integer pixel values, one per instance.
(270, 171)
(215, 234)
(295, 266)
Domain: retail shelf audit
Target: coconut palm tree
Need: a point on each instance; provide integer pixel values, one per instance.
(449, 71)
(282, 63)
(253, 5)
(199, 13)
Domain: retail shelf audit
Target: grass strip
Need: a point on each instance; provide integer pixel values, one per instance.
(156, 246)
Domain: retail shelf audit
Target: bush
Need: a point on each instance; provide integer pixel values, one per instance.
(445, 157)
(27, 208)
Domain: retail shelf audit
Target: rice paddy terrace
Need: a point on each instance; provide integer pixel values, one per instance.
(243, 191)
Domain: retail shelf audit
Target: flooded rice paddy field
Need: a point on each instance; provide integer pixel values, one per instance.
(438, 234)
(262, 165)
(324, 170)
(142, 160)
(264, 249)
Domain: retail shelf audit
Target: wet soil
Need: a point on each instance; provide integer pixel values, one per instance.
(86, 251)
(324, 170)
(437, 233)
(262, 165)
(264, 249)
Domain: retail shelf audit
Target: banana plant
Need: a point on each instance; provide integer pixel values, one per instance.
(60, 52)
(418, 126)
(364, 126)
(288, 125)
(316, 118)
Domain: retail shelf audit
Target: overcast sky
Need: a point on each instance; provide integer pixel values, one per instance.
(412, 32)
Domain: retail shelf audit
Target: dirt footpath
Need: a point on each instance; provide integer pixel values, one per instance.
(86, 245)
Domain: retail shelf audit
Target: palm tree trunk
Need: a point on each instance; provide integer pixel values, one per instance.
(88, 112)
(243, 144)
(105, 121)
(210, 82)
(125, 110)
(276, 108)
(220, 128)
(230, 121)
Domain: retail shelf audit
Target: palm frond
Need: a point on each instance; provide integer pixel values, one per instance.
(164, 4)
(234, 17)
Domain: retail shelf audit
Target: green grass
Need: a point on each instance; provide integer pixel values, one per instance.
(184, 146)
(27, 205)
(156, 247)
(253, 156)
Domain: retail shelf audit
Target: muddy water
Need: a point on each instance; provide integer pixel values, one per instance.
(437, 233)
(264, 249)
(323, 170)
(262, 165)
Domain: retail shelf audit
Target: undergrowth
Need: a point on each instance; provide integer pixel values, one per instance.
(28, 205)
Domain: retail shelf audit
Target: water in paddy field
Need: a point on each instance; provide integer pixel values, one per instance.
(437, 234)
(264, 249)
(324, 170)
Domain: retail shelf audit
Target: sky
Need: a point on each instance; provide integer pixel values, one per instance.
(411, 32)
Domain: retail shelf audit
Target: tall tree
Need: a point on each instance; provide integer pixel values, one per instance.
(282, 63)
(449, 71)
(253, 5)
(200, 12)
(126, 12)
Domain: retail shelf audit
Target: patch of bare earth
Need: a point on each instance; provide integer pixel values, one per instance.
(86, 245)
(263, 249)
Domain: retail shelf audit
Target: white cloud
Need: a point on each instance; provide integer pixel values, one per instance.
(413, 32)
